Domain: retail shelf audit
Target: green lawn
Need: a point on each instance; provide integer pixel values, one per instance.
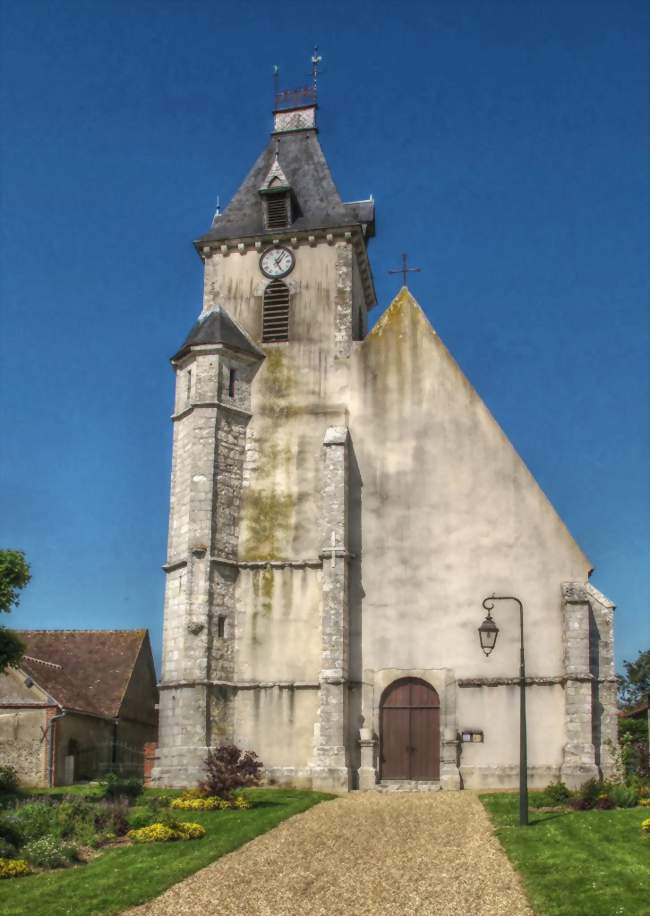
(577, 863)
(130, 875)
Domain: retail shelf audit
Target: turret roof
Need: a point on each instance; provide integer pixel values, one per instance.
(217, 327)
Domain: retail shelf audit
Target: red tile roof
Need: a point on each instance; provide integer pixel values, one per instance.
(84, 670)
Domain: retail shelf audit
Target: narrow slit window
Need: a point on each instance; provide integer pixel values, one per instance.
(188, 390)
(232, 381)
(221, 626)
(275, 318)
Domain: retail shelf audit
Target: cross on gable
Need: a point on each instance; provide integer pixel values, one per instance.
(405, 269)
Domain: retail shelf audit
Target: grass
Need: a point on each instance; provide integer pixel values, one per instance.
(577, 863)
(128, 875)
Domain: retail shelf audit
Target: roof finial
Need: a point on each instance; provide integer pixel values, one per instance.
(315, 61)
(276, 79)
(217, 212)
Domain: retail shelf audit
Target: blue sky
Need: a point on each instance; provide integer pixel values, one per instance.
(506, 146)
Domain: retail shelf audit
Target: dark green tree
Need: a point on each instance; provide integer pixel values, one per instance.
(634, 685)
(14, 576)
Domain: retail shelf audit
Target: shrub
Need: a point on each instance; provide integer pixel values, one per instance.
(121, 787)
(645, 825)
(166, 833)
(14, 868)
(189, 831)
(228, 769)
(588, 794)
(8, 779)
(140, 817)
(557, 793)
(50, 852)
(112, 817)
(9, 832)
(33, 820)
(242, 803)
(605, 803)
(623, 796)
(211, 803)
(7, 850)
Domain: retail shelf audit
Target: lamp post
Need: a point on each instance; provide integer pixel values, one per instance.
(488, 632)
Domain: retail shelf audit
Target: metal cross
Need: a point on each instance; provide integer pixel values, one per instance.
(405, 269)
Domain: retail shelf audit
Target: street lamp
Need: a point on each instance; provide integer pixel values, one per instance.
(488, 632)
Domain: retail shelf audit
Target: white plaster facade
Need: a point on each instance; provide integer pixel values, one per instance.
(335, 524)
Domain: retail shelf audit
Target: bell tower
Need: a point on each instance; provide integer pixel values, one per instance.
(256, 631)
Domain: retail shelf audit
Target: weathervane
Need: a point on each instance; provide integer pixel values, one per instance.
(315, 61)
(304, 95)
(405, 269)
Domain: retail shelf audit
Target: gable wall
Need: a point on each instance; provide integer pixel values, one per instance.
(450, 515)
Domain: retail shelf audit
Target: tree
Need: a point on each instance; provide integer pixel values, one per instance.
(634, 685)
(14, 576)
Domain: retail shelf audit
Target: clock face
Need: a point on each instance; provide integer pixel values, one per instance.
(277, 262)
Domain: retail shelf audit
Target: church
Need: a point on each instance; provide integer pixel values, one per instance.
(342, 502)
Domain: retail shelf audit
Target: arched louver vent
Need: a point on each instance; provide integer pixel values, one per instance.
(275, 319)
(278, 211)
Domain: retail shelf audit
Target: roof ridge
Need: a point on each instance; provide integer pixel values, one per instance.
(74, 630)
(41, 661)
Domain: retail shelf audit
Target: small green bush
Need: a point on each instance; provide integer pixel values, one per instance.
(624, 796)
(121, 787)
(33, 820)
(50, 852)
(557, 792)
(8, 779)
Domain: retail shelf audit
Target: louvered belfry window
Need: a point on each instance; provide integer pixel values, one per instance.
(275, 318)
(278, 214)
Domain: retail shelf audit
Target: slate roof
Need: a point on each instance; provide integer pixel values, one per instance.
(83, 670)
(318, 202)
(217, 327)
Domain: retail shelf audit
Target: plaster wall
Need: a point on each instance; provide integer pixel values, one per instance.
(278, 634)
(446, 495)
(278, 723)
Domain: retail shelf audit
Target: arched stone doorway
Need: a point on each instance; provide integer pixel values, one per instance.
(410, 731)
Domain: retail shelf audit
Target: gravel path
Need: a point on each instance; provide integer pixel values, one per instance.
(367, 854)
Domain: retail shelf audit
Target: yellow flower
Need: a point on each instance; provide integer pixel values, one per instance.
(200, 804)
(162, 833)
(14, 868)
(645, 826)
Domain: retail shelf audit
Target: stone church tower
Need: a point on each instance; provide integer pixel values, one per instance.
(341, 503)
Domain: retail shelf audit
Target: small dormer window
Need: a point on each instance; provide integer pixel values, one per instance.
(277, 205)
(276, 198)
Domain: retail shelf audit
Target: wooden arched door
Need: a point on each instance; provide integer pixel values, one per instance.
(410, 731)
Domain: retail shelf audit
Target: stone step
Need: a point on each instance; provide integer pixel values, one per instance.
(408, 785)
